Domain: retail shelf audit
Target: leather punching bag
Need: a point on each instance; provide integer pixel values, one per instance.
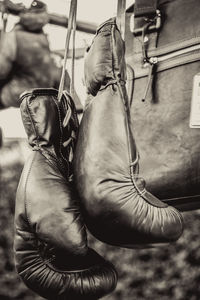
(116, 206)
(51, 252)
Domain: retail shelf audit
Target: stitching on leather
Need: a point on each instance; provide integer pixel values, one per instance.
(141, 193)
(182, 40)
(106, 23)
(42, 92)
(144, 8)
(163, 66)
(111, 47)
(106, 264)
(61, 136)
(170, 44)
(46, 154)
(25, 194)
(31, 118)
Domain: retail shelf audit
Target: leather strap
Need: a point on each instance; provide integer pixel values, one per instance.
(71, 26)
(145, 8)
(146, 12)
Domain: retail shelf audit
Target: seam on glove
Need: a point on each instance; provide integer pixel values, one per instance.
(31, 118)
(25, 198)
(61, 137)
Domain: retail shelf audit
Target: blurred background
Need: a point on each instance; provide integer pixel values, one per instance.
(171, 272)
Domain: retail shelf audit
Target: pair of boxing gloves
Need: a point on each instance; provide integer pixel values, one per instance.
(85, 174)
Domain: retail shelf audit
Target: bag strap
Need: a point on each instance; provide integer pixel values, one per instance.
(146, 12)
(71, 27)
(144, 8)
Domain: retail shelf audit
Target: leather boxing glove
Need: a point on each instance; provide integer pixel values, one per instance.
(117, 208)
(51, 252)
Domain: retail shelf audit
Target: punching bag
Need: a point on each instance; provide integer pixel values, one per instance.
(116, 206)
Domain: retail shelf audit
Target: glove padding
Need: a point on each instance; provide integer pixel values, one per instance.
(102, 66)
(51, 252)
(117, 208)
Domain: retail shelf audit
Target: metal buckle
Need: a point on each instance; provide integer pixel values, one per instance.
(156, 23)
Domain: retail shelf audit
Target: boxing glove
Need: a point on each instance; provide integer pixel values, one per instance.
(116, 206)
(51, 252)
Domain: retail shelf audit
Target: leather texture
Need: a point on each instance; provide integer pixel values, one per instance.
(168, 147)
(100, 68)
(145, 7)
(51, 252)
(116, 205)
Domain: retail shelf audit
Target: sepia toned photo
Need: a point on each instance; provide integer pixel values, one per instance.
(99, 149)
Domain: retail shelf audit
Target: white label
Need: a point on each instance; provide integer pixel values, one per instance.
(195, 104)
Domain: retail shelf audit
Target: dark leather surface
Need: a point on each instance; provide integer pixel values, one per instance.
(180, 28)
(169, 149)
(145, 7)
(117, 207)
(99, 67)
(51, 252)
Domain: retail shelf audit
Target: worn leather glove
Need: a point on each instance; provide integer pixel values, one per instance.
(51, 252)
(116, 205)
(102, 65)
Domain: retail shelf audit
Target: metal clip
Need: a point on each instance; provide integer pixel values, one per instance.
(156, 23)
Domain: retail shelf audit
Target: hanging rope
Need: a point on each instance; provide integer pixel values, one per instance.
(72, 89)
(121, 14)
(71, 27)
